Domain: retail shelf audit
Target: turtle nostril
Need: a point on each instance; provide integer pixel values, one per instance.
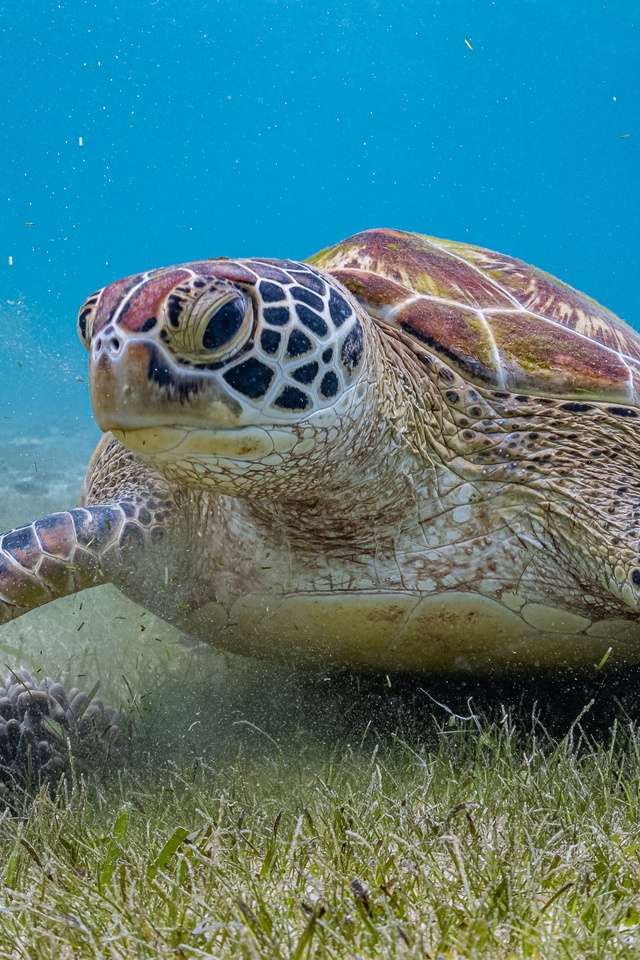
(110, 344)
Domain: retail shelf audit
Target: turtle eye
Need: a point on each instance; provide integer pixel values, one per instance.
(225, 328)
(209, 326)
(224, 325)
(86, 316)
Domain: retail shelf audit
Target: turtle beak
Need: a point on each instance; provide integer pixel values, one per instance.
(135, 392)
(134, 384)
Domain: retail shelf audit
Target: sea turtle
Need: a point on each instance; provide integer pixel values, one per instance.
(401, 453)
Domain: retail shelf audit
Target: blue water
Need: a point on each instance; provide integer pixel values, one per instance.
(141, 134)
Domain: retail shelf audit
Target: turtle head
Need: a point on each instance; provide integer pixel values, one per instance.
(222, 369)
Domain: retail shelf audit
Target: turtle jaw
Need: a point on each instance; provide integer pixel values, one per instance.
(190, 418)
(171, 442)
(185, 422)
(135, 389)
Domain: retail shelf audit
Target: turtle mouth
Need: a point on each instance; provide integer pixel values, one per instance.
(172, 442)
(140, 387)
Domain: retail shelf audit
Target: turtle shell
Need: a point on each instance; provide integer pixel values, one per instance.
(499, 321)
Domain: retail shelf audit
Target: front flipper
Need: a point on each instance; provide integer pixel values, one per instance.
(64, 553)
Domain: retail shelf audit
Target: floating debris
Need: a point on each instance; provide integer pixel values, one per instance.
(468, 43)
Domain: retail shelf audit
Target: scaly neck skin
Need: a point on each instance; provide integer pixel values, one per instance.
(360, 503)
(363, 492)
(430, 484)
(555, 489)
(347, 479)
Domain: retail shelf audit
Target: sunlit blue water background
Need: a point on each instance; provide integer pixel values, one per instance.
(139, 134)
